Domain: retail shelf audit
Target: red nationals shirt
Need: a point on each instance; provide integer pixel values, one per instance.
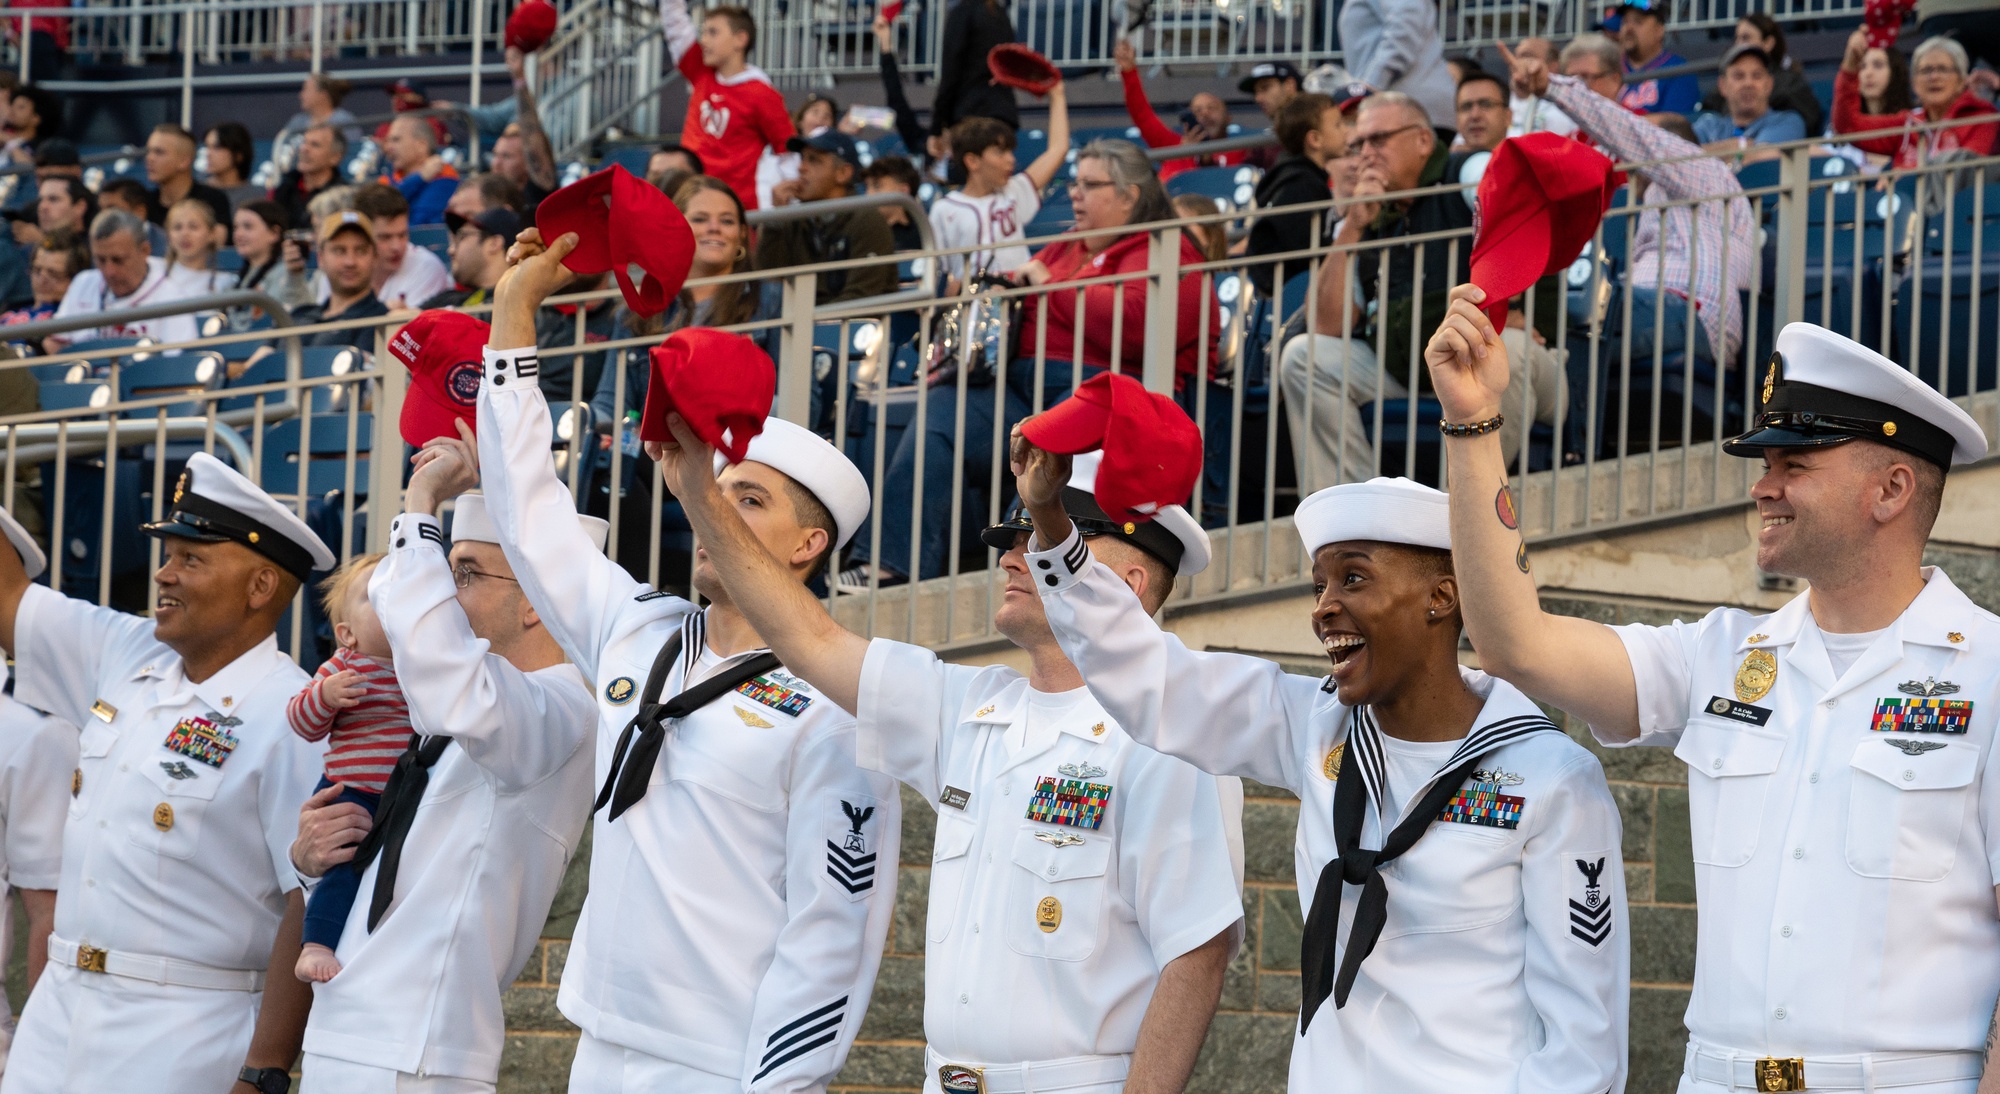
(731, 120)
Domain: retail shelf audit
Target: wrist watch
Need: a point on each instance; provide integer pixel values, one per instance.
(267, 1080)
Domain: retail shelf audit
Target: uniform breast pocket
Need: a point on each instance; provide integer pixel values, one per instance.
(951, 853)
(1905, 812)
(1729, 773)
(186, 791)
(1056, 894)
(93, 745)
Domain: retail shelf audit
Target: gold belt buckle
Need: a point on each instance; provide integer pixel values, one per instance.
(960, 1079)
(90, 959)
(1781, 1073)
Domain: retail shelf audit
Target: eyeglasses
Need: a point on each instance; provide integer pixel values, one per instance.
(463, 574)
(1087, 185)
(1379, 141)
(1938, 70)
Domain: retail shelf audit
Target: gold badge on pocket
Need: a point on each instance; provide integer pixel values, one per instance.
(1755, 675)
(163, 817)
(103, 711)
(1334, 755)
(1048, 914)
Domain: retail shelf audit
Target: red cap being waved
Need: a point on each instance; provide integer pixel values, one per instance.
(1540, 200)
(721, 383)
(442, 349)
(1152, 451)
(620, 221)
(1015, 65)
(531, 25)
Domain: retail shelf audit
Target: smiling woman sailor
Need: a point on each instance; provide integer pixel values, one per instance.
(1458, 853)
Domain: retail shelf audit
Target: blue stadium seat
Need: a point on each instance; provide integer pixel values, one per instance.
(1054, 217)
(1758, 176)
(435, 238)
(1936, 317)
(59, 395)
(1028, 145)
(1973, 223)
(633, 157)
(103, 347)
(324, 450)
(1220, 183)
(74, 373)
(1615, 230)
(157, 376)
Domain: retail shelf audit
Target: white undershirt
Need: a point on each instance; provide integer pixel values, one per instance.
(1043, 707)
(1409, 765)
(1845, 649)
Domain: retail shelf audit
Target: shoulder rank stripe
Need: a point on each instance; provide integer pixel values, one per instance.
(1069, 801)
(1899, 715)
(801, 1035)
(431, 532)
(1483, 804)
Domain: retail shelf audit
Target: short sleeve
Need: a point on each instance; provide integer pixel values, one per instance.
(1175, 849)
(906, 692)
(38, 781)
(63, 646)
(1663, 672)
(1027, 200)
(290, 773)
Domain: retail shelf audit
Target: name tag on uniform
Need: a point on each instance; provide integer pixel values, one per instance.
(1922, 716)
(1073, 802)
(955, 797)
(202, 741)
(1740, 712)
(775, 695)
(103, 711)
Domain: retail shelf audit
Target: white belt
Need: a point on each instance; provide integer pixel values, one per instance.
(158, 970)
(1037, 1076)
(1865, 1071)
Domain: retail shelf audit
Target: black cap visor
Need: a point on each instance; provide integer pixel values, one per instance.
(1091, 520)
(1808, 416)
(197, 518)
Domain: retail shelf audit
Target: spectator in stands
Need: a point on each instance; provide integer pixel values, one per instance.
(319, 104)
(1682, 256)
(965, 87)
(993, 208)
(33, 116)
(260, 234)
(480, 192)
(1642, 32)
(63, 205)
(316, 169)
(1884, 79)
(817, 112)
(671, 156)
(405, 276)
(407, 95)
(1394, 45)
(347, 261)
(1484, 116)
(1212, 238)
(231, 158)
(1789, 88)
(1206, 119)
(523, 154)
(925, 149)
(58, 259)
(48, 37)
(895, 175)
(57, 158)
(126, 275)
(1536, 115)
(1750, 118)
(734, 115)
(828, 164)
(193, 238)
(492, 119)
(131, 196)
(478, 258)
(1312, 131)
(1940, 66)
(416, 169)
(170, 166)
(1271, 84)
(1115, 187)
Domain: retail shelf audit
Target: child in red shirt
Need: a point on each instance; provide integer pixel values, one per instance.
(734, 114)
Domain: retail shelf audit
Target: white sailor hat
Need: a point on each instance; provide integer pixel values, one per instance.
(1823, 389)
(807, 459)
(32, 558)
(213, 503)
(470, 523)
(1173, 535)
(1383, 510)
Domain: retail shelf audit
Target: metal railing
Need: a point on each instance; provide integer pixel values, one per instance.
(1619, 425)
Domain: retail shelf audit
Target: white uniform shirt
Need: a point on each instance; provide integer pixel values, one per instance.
(997, 221)
(1478, 982)
(37, 758)
(88, 293)
(1151, 882)
(717, 928)
(501, 815)
(1846, 884)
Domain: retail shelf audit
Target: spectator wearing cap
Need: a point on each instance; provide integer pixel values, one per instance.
(1207, 118)
(347, 262)
(131, 196)
(231, 158)
(478, 257)
(1484, 116)
(320, 97)
(1538, 115)
(126, 275)
(170, 167)
(404, 275)
(1393, 45)
(1749, 119)
(1312, 131)
(1642, 34)
(828, 166)
(417, 170)
(1271, 84)
(315, 170)
(1939, 68)
(1789, 87)
(965, 88)
(406, 95)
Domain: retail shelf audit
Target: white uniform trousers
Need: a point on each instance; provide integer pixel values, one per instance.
(326, 1075)
(93, 1031)
(1712, 1071)
(604, 1068)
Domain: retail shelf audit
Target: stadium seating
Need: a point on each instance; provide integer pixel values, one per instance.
(319, 442)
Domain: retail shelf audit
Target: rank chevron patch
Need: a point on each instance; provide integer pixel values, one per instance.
(1590, 917)
(850, 861)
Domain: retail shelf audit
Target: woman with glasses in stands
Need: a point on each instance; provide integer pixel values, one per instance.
(1939, 69)
(58, 258)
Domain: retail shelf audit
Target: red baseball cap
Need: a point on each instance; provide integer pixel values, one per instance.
(442, 350)
(531, 25)
(1015, 65)
(651, 232)
(721, 383)
(1541, 198)
(1152, 451)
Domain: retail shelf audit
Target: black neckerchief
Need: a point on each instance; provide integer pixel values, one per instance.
(393, 816)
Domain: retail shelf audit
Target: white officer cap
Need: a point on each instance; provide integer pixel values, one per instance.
(213, 503)
(1823, 389)
(470, 523)
(32, 558)
(1173, 535)
(1384, 510)
(807, 459)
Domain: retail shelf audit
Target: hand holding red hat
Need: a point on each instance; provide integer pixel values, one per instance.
(1015, 65)
(721, 384)
(531, 25)
(1540, 200)
(620, 222)
(1152, 450)
(1039, 474)
(1467, 360)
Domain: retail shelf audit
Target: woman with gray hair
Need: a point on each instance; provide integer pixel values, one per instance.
(1938, 69)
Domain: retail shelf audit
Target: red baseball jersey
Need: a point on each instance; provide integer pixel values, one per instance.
(730, 119)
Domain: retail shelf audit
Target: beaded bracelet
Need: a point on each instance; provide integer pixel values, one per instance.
(1471, 429)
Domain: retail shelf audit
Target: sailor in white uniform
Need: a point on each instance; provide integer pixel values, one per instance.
(454, 894)
(1842, 785)
(177, 889)
(1084, 897)
(743, 867)
(1458, 854)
